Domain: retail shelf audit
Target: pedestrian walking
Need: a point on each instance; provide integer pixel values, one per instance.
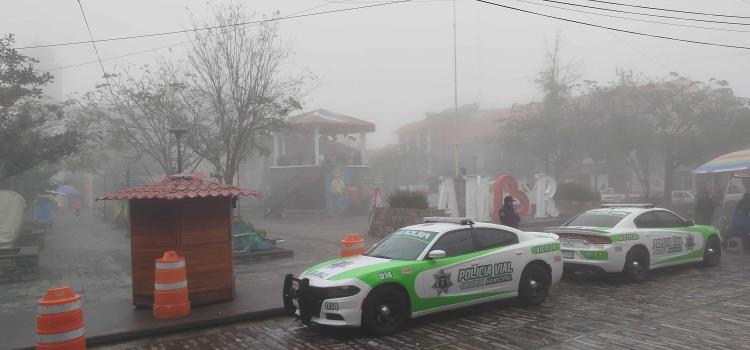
(704, 208)
(508, 214)
(77, 205)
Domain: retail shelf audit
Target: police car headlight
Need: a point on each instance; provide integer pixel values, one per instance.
(341, 292)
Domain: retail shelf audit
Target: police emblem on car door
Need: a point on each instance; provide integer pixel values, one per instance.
(442, 282)
(679, 238)
(668, 235)
(438, 279)
(488, 272)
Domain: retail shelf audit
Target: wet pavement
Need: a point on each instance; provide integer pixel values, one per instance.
(688, 307)
(92, 257)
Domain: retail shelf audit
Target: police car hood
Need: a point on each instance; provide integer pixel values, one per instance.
(333, 268)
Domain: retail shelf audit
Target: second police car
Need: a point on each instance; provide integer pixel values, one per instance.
(633, 239)
(421, 269)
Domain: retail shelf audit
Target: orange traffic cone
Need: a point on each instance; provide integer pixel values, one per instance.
(170, 287)
(352, 245)
(59, 321)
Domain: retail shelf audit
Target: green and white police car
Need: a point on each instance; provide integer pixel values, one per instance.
(444, 263)
(634, 238)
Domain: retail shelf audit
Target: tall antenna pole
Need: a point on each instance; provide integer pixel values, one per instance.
(455, 94)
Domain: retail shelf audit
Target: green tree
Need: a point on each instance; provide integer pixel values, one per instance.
(32, 128)
(678, 121)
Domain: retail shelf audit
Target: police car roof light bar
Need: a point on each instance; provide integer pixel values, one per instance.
(629, 205)
(460, 221)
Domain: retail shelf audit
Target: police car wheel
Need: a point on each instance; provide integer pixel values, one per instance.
(636, 265)
(534, 285)
(385, 310)
(712, 255)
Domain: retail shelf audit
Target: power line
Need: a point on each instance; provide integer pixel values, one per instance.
(155, 48)
(668, 10)
(91, 36)
(647, 14)
(626, 43)
(215, 27)
(615, 29)
(117, 57)
(636, 19)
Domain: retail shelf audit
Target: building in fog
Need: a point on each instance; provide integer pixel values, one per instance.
(430, 141)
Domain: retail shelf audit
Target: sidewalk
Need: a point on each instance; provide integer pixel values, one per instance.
(91, 257)
(117, 320)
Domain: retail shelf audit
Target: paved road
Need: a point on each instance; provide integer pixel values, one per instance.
(687, 307)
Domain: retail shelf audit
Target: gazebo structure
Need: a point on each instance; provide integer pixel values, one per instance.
(320, 163)
(192, 216)
(308, 140)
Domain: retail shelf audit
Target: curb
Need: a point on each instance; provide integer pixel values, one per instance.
(181, 327)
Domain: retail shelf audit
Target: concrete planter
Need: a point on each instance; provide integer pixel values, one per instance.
(387, 220)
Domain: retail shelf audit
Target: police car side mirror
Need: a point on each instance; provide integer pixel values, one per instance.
(436, 254)
(689, 222)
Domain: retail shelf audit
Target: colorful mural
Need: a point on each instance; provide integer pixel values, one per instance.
(337, 198)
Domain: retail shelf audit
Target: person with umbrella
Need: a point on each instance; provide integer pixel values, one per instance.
(704, 208)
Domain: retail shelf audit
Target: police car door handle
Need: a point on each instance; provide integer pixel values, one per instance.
(518, 253)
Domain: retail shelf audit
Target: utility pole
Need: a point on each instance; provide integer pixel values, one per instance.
(455, 94)
(178, 135)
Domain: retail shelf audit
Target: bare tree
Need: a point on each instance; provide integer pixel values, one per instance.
(139, 112)
(238, 92)
(550, 130)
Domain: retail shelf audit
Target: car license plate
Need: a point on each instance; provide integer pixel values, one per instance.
(567, 254)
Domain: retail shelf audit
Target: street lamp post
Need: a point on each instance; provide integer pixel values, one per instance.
(178, 135)
(130, 159)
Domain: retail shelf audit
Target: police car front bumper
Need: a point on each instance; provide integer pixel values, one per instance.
(311, 305)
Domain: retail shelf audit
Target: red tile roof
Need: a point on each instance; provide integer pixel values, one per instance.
(179, 187)
(483, 124)
(329, 122)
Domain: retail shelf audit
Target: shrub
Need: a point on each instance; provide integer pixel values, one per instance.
(408, 200)
(573, 191)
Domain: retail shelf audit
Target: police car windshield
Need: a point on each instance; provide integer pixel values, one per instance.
(597, 219)
(402, 245)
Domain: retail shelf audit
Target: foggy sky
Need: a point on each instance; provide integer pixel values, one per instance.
(391, 64)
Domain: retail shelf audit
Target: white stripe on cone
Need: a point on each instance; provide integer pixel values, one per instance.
(169, 266)
(59, 337)
(170, 286)
(57, 309)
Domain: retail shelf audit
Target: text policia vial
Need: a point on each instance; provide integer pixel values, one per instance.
(478, 276)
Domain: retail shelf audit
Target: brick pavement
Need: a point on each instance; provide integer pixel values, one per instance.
(687, 307)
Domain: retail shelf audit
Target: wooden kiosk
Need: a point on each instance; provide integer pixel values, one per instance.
(192, 216)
